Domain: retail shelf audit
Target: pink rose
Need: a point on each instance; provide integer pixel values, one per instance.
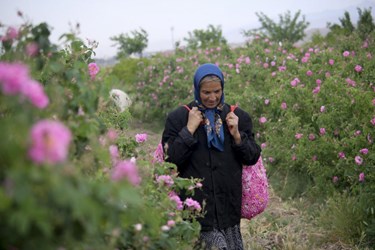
(316, 90)
(13, 77)
(358, 68)
(373, 121)
(34, 92)
(112, 134)
(32, 49)
(283, 105)
(361, 177)
(12, 33)
(358, 160)
(341, 155)
(171, 223)
(262, 120)
(174, 197)
(311, 137)
(364, 151)
(93, 70)
(165, 180)
(49, 142)
(126, 170)
(140, 138)
(298, 136)
(322, 131)
(158, 154)
(335, 179)
(192, 204)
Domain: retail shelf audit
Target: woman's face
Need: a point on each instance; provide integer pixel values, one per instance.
(210, 93)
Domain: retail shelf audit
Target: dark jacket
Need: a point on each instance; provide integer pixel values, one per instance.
(221, 171)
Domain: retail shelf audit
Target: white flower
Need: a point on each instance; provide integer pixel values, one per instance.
(165, 228)
(133, 159)
(120, 98)
(138, 227)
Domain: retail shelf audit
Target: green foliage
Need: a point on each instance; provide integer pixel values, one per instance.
(127, 147)
(329, 110)
(126, 71)
(56, 207)
(346, 23)
(112, 118)
(289, 30)
(77, 203)
(310, 123)
(346, 217)
(365, 26)
(203, 39)
(135, 43)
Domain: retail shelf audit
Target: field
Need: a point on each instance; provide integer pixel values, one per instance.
(285, 224)
(78, 163)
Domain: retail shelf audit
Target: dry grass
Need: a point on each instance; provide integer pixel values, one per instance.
(283, 226)
(153, 136)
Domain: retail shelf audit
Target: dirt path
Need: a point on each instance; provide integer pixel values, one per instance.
(284, 224)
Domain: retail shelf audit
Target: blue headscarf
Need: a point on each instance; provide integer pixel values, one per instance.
(213, 122)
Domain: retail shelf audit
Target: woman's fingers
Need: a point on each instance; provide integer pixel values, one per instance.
(195, 119)
(232, 119)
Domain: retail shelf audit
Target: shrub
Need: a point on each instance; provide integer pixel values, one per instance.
(316, 100)
(63, 182)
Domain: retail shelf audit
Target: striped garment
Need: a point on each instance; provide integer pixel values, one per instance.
(223, 239)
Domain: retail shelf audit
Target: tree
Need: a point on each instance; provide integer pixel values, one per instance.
(365, 23)
(131, 44)
(346, 23)
(202, 39)
(288, 30)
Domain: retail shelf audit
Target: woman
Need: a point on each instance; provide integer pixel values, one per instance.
(208, 141)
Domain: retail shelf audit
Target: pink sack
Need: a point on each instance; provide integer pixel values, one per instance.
(254, 190)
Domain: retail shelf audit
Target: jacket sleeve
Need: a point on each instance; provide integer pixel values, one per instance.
(178, 143)
(248, 150)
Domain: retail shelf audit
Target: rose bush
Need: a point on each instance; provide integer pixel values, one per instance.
(69, 178)
(312, 108)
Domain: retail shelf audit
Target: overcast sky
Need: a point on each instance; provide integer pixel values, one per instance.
(165, 21)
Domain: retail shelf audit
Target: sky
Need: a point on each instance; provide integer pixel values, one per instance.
(165, 21)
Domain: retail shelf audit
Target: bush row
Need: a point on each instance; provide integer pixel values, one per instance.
(312, 108)
(69, 178)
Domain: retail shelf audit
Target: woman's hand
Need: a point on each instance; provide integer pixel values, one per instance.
(194, 120)
(232, 121)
